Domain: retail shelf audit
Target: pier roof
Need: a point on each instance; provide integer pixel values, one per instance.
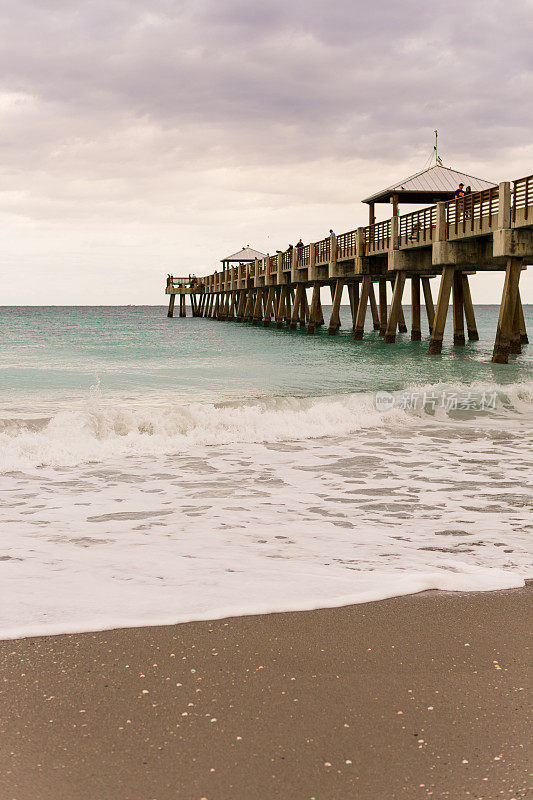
(429, 186)
(246, 254)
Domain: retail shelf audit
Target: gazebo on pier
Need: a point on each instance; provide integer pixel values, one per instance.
(432, 185)
(245, 256)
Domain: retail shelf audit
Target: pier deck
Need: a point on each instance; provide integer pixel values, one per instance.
(484, 231)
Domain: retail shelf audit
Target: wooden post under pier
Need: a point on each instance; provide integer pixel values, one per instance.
(281, 310)
(335, 322)
(396, 311)
(269, 307)
(507, 318)
(458, 309)
(471, 326)
(304, 310)
(416, 331)
(439, 323)
(382, 306)
(314, 310)
(361, 308)
(515, 346)
(374, 308)
(428, 300)
(523, 332)
(296, 306)
(258, 307)
(171, 302)
(249, 308)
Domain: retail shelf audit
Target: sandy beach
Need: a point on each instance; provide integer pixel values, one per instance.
(413, 697)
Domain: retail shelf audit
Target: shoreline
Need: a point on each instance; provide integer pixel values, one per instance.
(411, 697)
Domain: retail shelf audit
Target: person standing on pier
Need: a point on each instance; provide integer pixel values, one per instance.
(331, 234)
(459, 194)
(467, 201)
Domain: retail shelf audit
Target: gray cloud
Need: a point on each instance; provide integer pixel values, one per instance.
(124, 111)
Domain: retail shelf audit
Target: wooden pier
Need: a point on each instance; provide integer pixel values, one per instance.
(484, 231)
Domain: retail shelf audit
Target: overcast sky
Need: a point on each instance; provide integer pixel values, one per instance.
(140, 138)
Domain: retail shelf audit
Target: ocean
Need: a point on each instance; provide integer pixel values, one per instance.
(157, 470)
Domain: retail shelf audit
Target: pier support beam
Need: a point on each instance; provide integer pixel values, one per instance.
(439, 323)
(227, 299)
(231, 306)
(507, 319)
(471, 326)
(241, 304)
(523, 331)
(249, 307)
(402, 325)
(320, 314)
(296, 306)
(382, 306)
(269, 306)
(314, 311)
(416, 330)
(183, 307)
(353, 294)
(335, 322)
(281, 310)
(304, 310)
(171, 302)
(222, 311)
(396, 311)
(258, 307)
(458, 310)
(374, 308)
(428, 300)
(515, 345)
(361, 308)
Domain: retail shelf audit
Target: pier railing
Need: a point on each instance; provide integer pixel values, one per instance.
(377, 236)
(272, 264)
(346, 245)
(418, 226)
(177, 283)
(473, 213)
(522, 195)
(303, 255)
(286, 261)
(323, 251)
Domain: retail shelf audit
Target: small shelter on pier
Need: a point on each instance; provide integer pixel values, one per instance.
(432, 185)
(245, 256)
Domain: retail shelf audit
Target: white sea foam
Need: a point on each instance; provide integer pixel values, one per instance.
(103, 429)
(114, 514)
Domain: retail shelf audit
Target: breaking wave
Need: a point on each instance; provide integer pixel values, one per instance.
(104, 428)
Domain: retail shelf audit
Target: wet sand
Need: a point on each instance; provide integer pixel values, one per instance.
(414, 697)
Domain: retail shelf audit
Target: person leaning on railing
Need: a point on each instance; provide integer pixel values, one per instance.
(459, 194)
(467, 202)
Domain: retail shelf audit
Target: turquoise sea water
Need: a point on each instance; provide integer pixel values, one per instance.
(155, 470)
(62, 352)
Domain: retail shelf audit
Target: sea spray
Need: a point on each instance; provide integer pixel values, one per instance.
(102, 429)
